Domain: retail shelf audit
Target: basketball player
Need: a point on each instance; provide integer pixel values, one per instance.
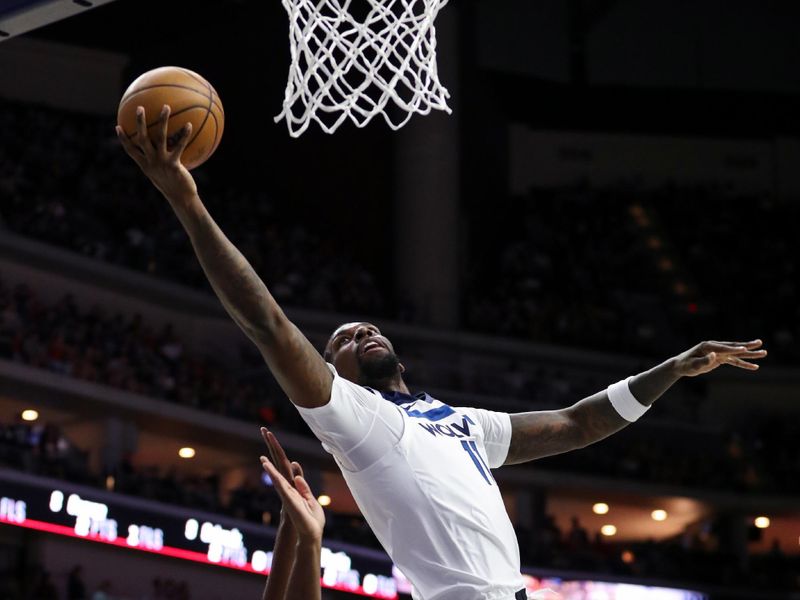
(298, 544)
(418, 468)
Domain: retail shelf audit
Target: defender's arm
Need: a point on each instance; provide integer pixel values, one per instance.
(284, 555)
(308, 521)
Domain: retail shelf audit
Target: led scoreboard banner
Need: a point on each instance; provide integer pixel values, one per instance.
(80, 512)
(84, 513)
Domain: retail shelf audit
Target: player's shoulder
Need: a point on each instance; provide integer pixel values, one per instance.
(485, 418)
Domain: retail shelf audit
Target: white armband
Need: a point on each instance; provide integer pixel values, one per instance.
(624, 402)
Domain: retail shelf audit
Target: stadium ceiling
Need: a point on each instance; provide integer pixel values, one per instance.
(20, 16)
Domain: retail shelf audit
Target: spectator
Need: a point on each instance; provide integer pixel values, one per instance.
(44, 588)
(103, 592)
(76, 588)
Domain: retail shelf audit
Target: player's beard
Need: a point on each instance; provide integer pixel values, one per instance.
(375, 370)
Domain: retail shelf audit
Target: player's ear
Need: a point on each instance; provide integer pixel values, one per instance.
(402, 368)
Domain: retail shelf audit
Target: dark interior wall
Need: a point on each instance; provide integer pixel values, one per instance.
(712, 44)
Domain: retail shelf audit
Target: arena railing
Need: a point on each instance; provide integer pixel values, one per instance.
(451, 362)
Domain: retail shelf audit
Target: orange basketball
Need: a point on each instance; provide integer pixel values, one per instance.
(190, 97)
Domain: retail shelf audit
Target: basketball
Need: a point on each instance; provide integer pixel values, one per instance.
(190, 97)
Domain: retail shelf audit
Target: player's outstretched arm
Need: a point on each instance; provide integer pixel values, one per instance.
(308, 520)
(297, 366)
(545, 433)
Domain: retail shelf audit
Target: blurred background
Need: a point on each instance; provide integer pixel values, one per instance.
(619, 180)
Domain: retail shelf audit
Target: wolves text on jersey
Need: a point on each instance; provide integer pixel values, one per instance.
(451, 430)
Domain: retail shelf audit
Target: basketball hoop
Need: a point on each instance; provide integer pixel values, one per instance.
(347, 68)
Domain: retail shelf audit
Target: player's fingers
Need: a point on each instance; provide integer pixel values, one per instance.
(142, 137)
(741, 364)
(276, 447)
(132, 149)
(268, 466)
(721, 348)
(265, 433)
(752, 354)
(270, 451)
(301, 485)
(279, 458)
(297, 470)
(180, 140)
(751, 345)
(160, 137)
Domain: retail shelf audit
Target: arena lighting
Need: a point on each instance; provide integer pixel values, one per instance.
(601, 508)
(186, 452)
(761, 522)
(30, 414)
(628, 557)
(324, 500)
(608, 530)
(659, 515)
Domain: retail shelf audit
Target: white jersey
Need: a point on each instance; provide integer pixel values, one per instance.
(419, 471)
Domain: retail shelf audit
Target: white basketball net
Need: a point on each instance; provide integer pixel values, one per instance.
(342, 68)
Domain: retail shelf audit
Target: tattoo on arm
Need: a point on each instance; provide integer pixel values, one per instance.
(547, 433)
(294, 361)
(539, 434)
(597, 418)
(237, 285)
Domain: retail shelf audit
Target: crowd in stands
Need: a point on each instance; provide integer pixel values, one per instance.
(622, 269)
(760, 457)
(688, 558)
(125, 353)
(617, 270)
(639, 271)
(65, 180)
(43, 449)
(121, 352)
(568, 270)
(31, 581)
(752, 285)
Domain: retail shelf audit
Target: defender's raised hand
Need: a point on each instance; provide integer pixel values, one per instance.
(299, 502)
(707, 356)
(159, 155)
(277, 454)
(298, 544)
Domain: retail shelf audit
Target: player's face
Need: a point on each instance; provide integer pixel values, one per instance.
(361, 354)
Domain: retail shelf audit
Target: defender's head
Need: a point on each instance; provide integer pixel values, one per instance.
(361, 354)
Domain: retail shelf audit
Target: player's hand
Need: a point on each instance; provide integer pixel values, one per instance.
(299, 502)
(159, 155)
(707, 356)
(280, 461)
